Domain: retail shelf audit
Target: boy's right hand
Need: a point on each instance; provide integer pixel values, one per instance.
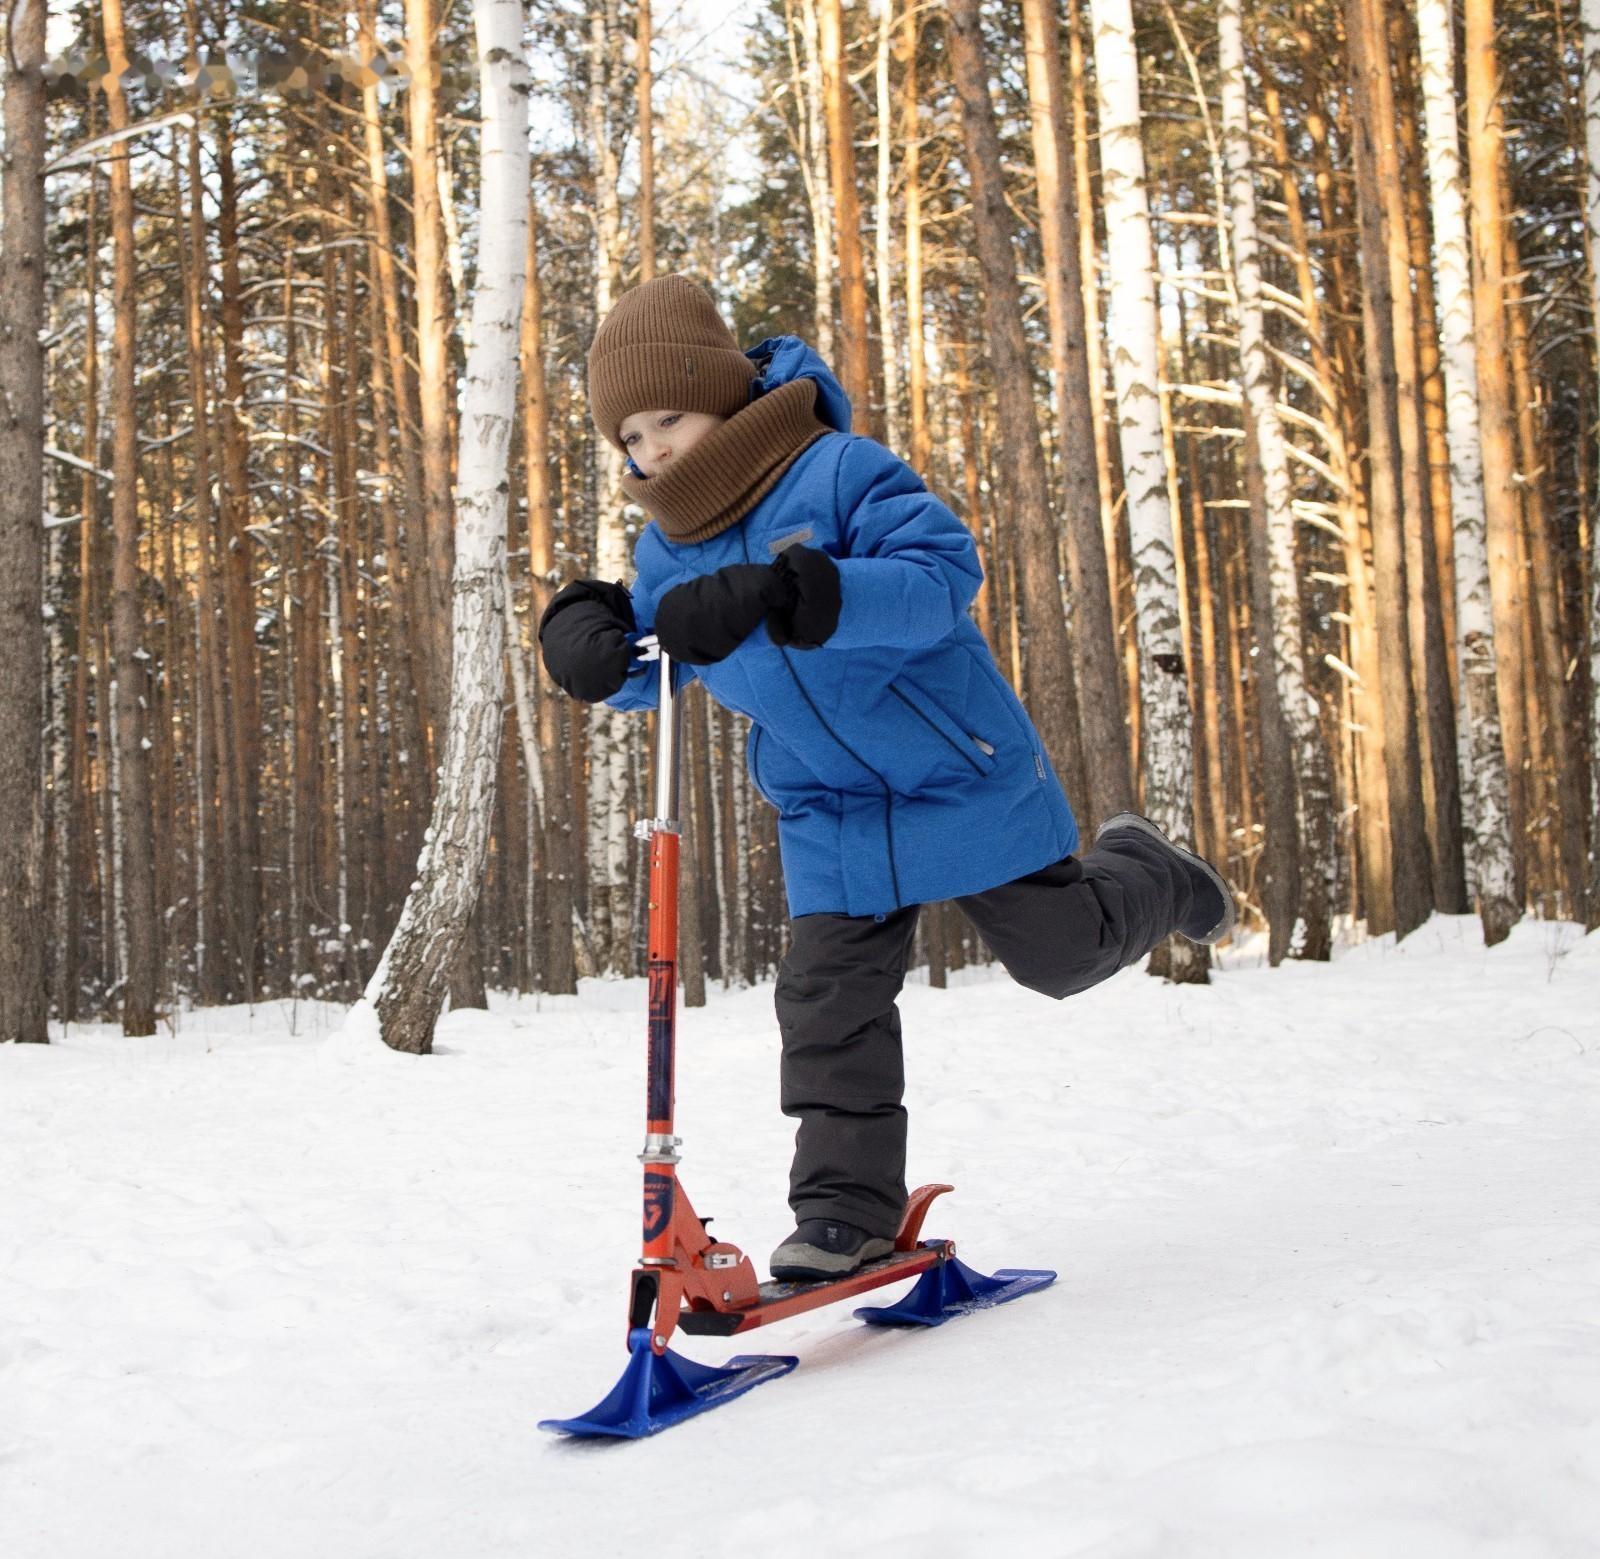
(584, 636)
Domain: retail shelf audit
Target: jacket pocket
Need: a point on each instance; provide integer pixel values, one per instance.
(974, 750)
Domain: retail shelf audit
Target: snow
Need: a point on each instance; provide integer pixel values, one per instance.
(1330, 1277)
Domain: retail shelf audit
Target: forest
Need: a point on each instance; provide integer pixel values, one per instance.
(1253, 340)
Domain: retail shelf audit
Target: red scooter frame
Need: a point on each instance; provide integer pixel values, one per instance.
(687, 1281)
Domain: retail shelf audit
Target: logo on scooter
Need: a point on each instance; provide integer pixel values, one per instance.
(657, 1202)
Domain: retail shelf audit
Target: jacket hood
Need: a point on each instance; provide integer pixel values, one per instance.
(783, 359)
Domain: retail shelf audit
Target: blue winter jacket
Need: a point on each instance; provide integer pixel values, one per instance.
(903, 768)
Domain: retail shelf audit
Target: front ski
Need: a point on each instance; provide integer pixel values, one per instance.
(658, 1390)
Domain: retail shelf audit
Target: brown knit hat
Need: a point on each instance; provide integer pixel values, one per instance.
(664, 347)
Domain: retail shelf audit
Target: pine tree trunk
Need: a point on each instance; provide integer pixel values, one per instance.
(133, 681)
(238, 592)
(1107, 775)
(435, 381)
(408, 567)
(885, 233)
(556, 812)
(409, 986)
(647, 146)
(853, 364)
(1407, 836)
(1591, 208)
(1048, 676)
(22, 316)
(916, 343)
(219, 952)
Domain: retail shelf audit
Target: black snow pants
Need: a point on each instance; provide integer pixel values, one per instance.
(1056, 931)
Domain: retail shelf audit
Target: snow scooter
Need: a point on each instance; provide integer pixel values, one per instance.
(686, 1280)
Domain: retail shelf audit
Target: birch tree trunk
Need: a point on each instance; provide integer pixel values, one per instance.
(1485, 789)
(409, 985)
(1108, 776)
(1313, 779)
(1591, 208)
(1048, 676)
(22, 292)
(1509, 595)
(610, 916)
(133, 682)
(1135, 334)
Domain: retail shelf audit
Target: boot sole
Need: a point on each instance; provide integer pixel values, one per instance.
(1230, 910)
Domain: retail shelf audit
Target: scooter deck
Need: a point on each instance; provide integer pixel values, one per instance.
(777, 1300)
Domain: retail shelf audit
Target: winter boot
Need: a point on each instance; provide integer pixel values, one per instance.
(1212, 911)
(824, 1248)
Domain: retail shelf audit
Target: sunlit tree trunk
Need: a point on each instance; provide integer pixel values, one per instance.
(1048, 674)
(435, 382)
(407, 568)
(1591, 120)
(1407, 836)
(916, 341)
(884, 238)
(647, 147)
(1485, 789)
(1167, 760)
(1108, 777)
(853, 363)
(243, 714)
(556, 812)
(219, 953)
(22, 314)
(409, 986)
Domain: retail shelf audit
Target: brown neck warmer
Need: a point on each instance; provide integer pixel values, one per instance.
(733, 467)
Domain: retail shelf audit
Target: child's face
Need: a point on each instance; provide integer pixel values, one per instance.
(654, 439)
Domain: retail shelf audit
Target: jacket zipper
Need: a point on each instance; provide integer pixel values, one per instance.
(888, 793)
(938, 730)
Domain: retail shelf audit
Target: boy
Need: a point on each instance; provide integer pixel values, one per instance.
(813, 583)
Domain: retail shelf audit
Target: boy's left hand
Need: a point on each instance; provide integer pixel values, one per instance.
(706, 619)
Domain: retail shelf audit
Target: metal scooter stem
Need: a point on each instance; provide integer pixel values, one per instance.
(660, 1156)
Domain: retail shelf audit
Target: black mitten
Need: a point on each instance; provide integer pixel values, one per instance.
(584, 636)
(707, 619)
(809, 610)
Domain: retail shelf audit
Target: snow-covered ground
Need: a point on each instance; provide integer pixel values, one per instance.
(1329, 1244)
